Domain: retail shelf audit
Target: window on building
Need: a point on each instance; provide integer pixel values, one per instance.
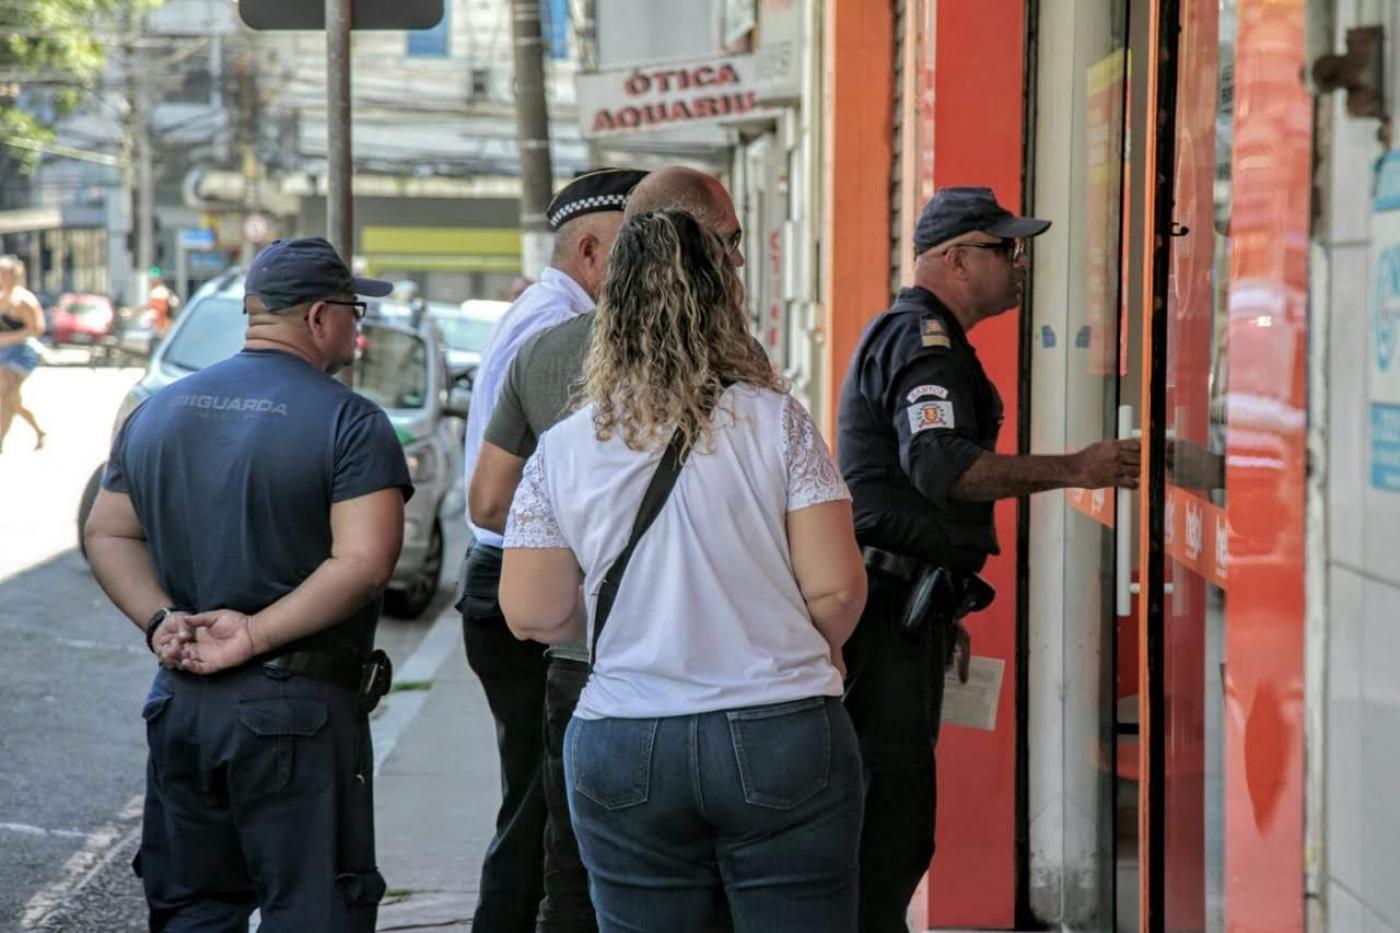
(481, 82)
(431, 43)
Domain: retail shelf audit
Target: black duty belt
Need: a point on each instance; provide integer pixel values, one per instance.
(341, 670)
(904, 568)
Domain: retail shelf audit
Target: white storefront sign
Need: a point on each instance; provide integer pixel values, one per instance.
(676, 94)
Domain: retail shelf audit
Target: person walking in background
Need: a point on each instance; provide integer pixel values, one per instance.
(709, 760)
(248, 522)
(21, 320)
(537, 392)
(584, 216)
(163, 303)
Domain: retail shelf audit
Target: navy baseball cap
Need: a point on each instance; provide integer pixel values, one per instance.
(292, 272)
(952, 212)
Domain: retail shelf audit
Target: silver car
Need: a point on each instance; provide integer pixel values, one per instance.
(401, 367)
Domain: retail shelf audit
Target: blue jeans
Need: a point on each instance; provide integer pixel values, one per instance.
(759, 808)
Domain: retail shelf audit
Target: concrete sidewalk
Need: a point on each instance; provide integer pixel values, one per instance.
(437, 789)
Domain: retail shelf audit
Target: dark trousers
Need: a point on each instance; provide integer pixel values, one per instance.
(258, 795)
(512, 673)
(891, 695)
(566, 907)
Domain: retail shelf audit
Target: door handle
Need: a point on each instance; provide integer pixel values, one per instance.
(1124, 589)
(1122, 524)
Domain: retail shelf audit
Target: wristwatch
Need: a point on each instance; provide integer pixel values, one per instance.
(157, 618)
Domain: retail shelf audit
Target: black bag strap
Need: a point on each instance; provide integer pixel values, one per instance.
(658, 491)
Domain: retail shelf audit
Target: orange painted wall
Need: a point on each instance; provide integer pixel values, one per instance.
(978, 65)
(858, 87)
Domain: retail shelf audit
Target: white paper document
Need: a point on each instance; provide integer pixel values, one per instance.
(974, 704)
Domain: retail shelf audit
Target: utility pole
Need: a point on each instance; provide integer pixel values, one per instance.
(532, 129)
(340, 218)
(248, 119)
(142, 185)
(588, 61)
(145, 193)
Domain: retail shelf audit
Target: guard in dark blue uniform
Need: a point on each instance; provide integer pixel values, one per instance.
(249, 518)
(918, 427)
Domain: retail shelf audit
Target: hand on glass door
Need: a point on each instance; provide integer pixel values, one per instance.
(1109, 463)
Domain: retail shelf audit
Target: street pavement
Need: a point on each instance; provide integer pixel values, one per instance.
(75, 672)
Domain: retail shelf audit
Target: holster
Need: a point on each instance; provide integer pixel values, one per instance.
(943, 596)
(376, 677)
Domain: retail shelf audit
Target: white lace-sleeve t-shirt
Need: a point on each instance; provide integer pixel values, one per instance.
(708, 615)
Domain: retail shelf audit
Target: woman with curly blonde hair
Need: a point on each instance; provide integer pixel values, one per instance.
(711, 766)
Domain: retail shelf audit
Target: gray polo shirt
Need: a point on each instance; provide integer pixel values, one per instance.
(539, 391)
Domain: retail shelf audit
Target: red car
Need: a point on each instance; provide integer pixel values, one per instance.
(81, 318)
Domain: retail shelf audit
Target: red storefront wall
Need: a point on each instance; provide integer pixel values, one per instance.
(976, 74)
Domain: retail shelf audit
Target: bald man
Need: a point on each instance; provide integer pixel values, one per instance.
(585, 216)
(534, 395)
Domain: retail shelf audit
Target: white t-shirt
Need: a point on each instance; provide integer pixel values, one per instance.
(554, 299)
(708, 615)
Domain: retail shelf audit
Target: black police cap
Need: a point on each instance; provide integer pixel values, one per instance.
(603, 190)
(293, 272)
(952, 212)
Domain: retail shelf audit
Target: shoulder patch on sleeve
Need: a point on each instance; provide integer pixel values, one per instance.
(927, 416)
(919, 392)
(933, 332)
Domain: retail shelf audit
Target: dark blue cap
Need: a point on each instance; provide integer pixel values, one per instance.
(293, 272)
(951, 212)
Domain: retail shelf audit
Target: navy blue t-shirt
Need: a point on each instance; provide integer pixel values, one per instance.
(232, 472)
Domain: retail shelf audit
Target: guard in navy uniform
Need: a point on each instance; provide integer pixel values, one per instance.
(250, 516)
(918, 426)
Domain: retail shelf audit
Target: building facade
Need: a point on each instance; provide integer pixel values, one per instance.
(224, 129)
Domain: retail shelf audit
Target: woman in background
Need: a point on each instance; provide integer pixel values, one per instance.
(21, 319)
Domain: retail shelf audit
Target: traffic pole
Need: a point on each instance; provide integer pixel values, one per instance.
(340, 217)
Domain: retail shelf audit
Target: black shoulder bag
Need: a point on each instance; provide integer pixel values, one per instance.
(658, 491)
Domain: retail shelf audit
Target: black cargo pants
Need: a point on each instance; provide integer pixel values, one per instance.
(259, 794)
(566, 907)
(890, 693)
(512, 673)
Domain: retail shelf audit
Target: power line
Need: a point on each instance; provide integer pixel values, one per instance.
(66, 152)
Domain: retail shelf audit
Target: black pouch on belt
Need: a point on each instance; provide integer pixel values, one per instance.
(932, 599)
(375, 679)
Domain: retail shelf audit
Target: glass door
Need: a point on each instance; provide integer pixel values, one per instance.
(1142, 316)
(1079, 326)
(1178, 244)
(1192, 536)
